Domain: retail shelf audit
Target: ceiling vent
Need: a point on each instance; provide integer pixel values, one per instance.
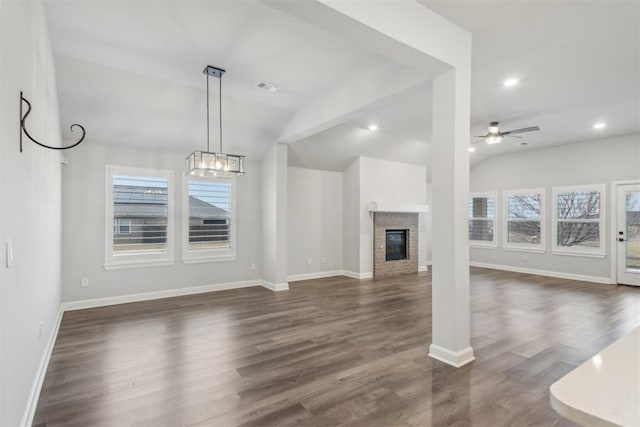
(269, 87)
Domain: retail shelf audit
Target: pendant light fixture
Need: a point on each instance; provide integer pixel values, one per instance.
(208, 163)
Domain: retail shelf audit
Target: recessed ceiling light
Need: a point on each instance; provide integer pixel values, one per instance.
(373, 128)
(472, 149)
(600, 125)
(511, 82)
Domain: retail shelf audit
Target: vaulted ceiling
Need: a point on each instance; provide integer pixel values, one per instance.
(131, 73)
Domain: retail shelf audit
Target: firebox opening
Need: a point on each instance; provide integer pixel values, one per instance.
(396, 248)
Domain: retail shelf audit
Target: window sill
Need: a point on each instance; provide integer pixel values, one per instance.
(208, 258)
(121, 265)
(519, 249)
(481, 246)
(579, 254)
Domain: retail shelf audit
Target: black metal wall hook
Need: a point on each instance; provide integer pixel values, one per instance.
(23, 119)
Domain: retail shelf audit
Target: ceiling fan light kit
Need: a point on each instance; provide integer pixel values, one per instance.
(208, 163)
(494, 136)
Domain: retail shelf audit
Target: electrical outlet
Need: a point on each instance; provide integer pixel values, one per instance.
(309, 261)
(40, 331)
(324, 259)
(84, 282)
(525, 258)
(253, 266)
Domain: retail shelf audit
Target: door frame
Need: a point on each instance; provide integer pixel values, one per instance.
(613, 200)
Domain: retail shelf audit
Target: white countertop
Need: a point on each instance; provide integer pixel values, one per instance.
(605, 390)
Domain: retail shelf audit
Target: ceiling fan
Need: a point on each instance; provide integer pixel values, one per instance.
(494, 136)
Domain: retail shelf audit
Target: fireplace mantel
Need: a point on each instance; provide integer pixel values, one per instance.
(397, 207)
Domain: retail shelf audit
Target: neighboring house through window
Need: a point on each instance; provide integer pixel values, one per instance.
(209, 226)
(524, 220)
(578, 220)
(139, 207)
(482, 220)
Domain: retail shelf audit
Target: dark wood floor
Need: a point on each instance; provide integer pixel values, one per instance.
(329, 352)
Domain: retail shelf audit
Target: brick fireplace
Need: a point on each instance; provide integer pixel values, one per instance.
(395, 243)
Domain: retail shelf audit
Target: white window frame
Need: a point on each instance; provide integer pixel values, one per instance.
(523, 247)
(599, 252)
(483, 243)
(207, 255)
(141, 259)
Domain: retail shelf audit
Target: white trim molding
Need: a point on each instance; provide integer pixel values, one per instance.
(275, 287)
(423, 268)
(316, 275)
(356, 275)
(456, 359)
(147, 296)
(34, 394)
(557, 274)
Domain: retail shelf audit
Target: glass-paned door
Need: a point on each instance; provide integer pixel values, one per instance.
(628, 234)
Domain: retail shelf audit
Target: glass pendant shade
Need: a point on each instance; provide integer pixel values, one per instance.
(204, 163)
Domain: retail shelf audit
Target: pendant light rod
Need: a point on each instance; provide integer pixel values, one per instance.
(220, 110)
(208, 139)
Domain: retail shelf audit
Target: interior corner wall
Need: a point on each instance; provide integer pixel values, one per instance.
(274, 215)
(351, 217)
(593, 162)
(389, 182)
(30, 210)
(83, 225)
(314, 221)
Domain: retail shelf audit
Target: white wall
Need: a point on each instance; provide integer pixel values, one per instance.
(314, 221)
(274, 215)
(29, 204)
(84, 228)
(373, 180)
(593, 162)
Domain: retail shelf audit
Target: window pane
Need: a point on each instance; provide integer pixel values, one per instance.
(524, 206)
(140, 210)
(480, 229)
(209, 215)
(633, 229)
(523, 231)
(578, 205)
(481, 207)
(584, 234)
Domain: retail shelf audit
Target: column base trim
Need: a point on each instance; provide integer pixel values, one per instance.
(456, 359)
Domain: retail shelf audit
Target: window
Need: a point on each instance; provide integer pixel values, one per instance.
(122, 226)
(139, 217)
(578, 224)
(209, 220)
(524, 220)
(482, 220)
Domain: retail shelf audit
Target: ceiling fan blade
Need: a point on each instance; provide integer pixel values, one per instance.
(529, 129)
(480, 136)
(480, 140)
(513, 136)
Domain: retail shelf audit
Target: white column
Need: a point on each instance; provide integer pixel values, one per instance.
(274, 219)
(450, 158)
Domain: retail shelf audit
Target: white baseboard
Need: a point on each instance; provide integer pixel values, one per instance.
(34, 394)
(453, 358)
(355, 275)
(123, 299)
(318, 275)
(558, 274)
(275, 286)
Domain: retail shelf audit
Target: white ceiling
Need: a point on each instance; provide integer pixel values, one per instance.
(131, 73)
